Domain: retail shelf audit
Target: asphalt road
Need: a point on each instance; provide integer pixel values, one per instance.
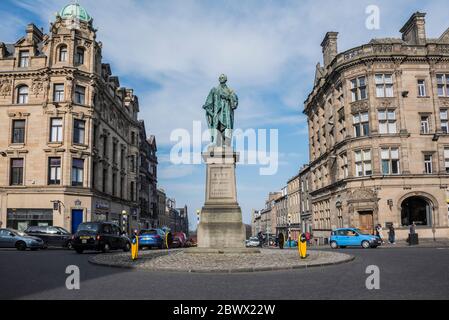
(405, 273)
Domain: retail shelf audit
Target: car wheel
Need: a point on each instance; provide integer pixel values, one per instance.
(79, 251)
(21, 246)
(334, 245)
(127, 247)
(106, 248)
(365, 244)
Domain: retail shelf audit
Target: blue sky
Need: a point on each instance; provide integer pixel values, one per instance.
(172, 52)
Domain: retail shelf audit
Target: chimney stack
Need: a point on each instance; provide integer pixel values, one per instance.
(34, 34)
(414, 31)
(329, 46)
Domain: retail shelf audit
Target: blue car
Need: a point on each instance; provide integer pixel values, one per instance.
(352, 237)
(10, 238)
(152, 238)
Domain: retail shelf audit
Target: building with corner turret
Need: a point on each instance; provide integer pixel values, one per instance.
(70, 140)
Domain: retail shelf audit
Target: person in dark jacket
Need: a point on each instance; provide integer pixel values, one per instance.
(260, 237)
(281, 241)
(391, 235)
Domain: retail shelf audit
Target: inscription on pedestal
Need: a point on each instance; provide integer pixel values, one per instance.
(220, 183)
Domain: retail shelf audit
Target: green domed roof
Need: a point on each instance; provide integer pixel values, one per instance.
(75, 11)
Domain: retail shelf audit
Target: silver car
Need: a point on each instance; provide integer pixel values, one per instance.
(252, 242)
(10, 238)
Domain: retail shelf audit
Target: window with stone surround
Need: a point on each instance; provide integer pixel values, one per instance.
(80, 95)
(54, 171)
(58, 92)
(363, 166)
(446, 159)
(18, 131)
(77, 172)
(444, 120)
(358, 89)
(390, 161)
(22, 94)
(56, 130)
(24, 59)
(361, 124)
(79, 129)
(422, 88)
(428, 163)
(63, 53)
(387, 121)
(425, 124)
(384, 85)
(16, 172)
(79, 56)
(443, 85)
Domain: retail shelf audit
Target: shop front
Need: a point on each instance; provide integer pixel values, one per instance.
(20, 219)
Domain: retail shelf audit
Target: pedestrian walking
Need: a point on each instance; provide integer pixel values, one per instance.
(379, 232)
(413, 228)
(392, 235)
(260, 237)
(281, 241)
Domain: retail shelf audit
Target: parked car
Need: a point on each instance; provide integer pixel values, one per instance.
(152, 238)
(179, 240)
(252, 242)
(10, 238)
(192, 242)
(52, 236)
(351, 237)
(100, 236)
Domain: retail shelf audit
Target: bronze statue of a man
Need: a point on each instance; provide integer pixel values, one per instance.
(220, 105)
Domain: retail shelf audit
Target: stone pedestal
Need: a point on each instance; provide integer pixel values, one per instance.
(221, 223)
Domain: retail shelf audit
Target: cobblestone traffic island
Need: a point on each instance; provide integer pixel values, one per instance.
(180, 261)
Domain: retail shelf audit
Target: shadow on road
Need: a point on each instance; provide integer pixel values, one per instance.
(24, 273)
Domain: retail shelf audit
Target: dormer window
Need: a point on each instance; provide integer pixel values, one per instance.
(63, 54)
(79, 56)
(24, 59)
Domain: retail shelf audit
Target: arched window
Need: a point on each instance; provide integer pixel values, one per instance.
(63, 53)
(79, 56)
(416, 209)
(22, 94)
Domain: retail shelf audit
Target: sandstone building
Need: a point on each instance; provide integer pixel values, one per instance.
(69, 142)
(378, 134)
(293, 206)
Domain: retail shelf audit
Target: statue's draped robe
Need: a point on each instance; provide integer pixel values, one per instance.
(220, 105)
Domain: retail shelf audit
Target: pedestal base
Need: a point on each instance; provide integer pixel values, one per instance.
(221, 227)
(221, 223)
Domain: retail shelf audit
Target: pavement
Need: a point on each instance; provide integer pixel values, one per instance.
(405, 273)
(183, 261)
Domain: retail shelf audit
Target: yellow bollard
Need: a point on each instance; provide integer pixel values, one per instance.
(302, 246)
(135, 247)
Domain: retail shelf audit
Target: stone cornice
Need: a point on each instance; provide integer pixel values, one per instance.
(370, 53)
